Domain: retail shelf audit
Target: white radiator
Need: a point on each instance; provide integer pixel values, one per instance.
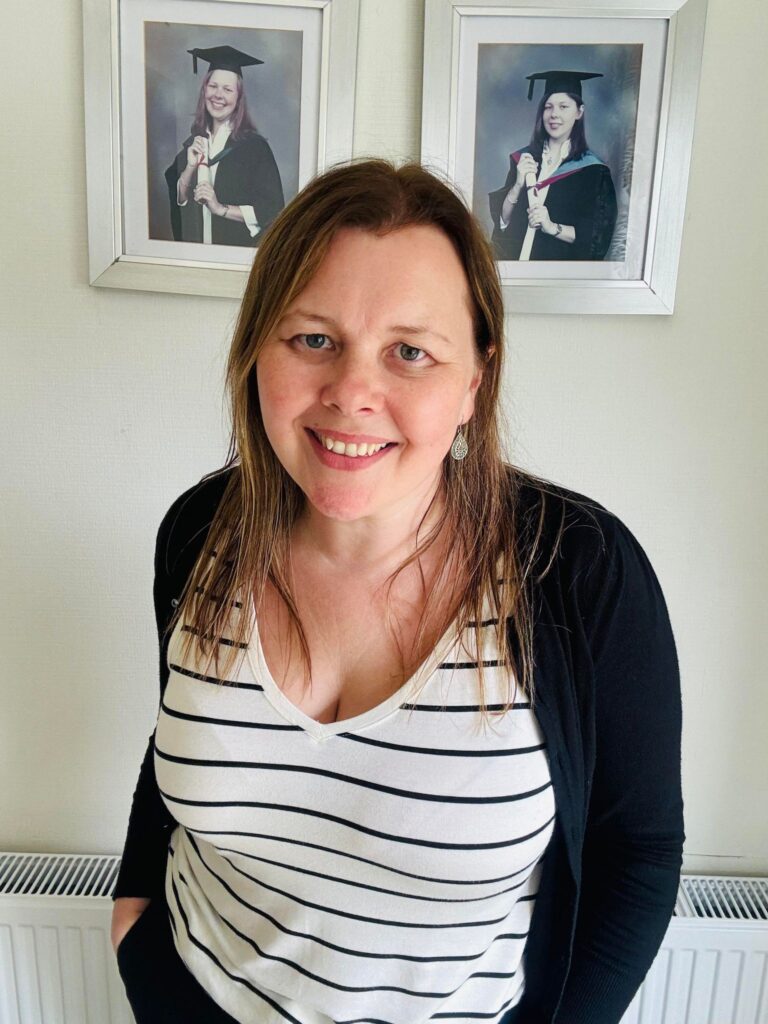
(57, 965)
(56, 959)
(712, 967)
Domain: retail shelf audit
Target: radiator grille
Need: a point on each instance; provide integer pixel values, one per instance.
(722, 899)
(57, 874)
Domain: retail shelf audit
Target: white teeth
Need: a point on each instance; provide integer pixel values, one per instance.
(352, 451)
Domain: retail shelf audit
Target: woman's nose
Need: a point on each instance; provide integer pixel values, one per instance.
(353, 384)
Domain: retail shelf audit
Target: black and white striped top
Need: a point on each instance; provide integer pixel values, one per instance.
(380, 869)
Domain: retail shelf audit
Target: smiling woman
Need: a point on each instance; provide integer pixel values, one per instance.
(559, 201)
(418, 747)
(223, 186)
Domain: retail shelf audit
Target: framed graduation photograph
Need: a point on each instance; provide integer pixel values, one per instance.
(203, 119)
(569, 135)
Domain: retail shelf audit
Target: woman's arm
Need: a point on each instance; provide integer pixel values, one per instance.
(538, 217)
(267, 197)
(180, 538)
(595, 217)
(510, 202)
(634, 831)
(142, 867)
(126, 911)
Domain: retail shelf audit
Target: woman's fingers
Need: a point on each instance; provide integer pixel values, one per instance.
(535, 216)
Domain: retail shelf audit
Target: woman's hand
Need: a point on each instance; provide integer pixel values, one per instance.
(526, 165)
(197, 152)
(538, 217)
(125, 913)
(205, 195)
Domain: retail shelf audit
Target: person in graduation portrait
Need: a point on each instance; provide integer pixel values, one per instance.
(559, 201)
(224, 185)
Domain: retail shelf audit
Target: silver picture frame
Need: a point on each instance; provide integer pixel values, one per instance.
(454, 31)
(107, 108)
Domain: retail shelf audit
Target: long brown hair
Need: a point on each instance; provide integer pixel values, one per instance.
(240, 122)
(251, 529)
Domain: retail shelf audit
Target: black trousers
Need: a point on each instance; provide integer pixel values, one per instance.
(159, 987)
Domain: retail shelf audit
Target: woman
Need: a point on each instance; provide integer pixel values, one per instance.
(558, 202)
(223, 186)
(418, 748)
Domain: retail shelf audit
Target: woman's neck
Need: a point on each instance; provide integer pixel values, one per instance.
(216, 125)
(556, 148)
(369, 546)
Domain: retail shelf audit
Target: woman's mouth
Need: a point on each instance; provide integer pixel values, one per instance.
(347, 456)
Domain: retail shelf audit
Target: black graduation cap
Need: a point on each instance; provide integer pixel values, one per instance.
(561, 81)
(224, 58)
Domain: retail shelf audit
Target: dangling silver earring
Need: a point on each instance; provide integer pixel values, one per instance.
(459, 448)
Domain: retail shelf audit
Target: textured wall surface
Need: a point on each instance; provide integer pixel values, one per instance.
(111, 405)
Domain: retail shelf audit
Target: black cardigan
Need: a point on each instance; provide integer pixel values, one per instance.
(607, 697)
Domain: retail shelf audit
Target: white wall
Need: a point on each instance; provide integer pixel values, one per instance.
(111, 405)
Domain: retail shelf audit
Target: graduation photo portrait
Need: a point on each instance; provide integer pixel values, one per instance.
(555, 130)
(229, 179)
(226, 110)
(566, 157)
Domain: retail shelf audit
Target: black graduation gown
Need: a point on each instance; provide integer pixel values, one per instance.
(581, 194)
(246, 175)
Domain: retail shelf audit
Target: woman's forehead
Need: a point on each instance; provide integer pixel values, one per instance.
(222, 77)
(411, 276)
(409, 259)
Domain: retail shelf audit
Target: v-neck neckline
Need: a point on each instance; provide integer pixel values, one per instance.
(325, 730)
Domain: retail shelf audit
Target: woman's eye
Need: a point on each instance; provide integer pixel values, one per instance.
(313, 341)
(408, 351)
(316, 343)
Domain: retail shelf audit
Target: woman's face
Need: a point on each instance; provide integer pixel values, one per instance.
(378, 348)
(560, 114)
(221, 92)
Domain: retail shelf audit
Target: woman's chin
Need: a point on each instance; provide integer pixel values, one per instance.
(341, 504)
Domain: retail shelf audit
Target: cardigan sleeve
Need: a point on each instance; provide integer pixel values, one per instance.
(634, 830)
(142, 868)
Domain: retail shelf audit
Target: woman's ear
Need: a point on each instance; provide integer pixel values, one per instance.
(468, 408)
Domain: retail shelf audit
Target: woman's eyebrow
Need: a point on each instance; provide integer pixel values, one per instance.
(413, 330)
(304, 314)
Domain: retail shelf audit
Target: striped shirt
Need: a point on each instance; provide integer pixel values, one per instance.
(379, 869)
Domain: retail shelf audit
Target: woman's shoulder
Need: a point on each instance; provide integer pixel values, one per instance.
(593, 164)
(185, 525)
(254, 140)
(577, 539)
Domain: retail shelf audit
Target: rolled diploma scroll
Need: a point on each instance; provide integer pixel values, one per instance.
(533, 200)
(203, 170)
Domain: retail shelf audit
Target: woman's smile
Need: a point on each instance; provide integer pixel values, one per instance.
(346, 456)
